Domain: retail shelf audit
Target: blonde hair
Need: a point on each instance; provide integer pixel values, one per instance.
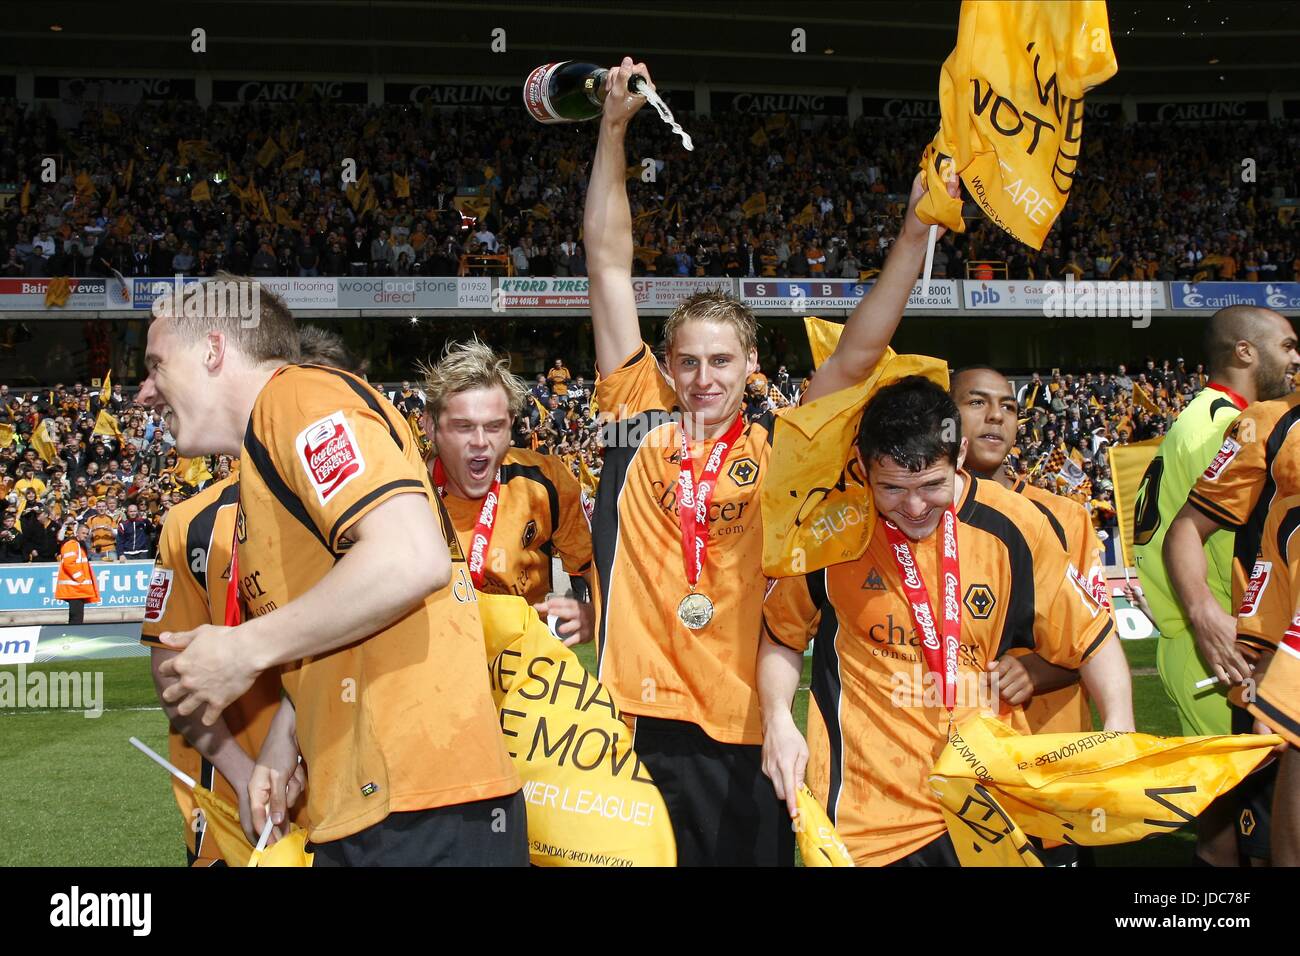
(465, 366)
(713, 307)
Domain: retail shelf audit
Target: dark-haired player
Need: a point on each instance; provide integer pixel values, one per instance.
(967, 572)
(989, 420)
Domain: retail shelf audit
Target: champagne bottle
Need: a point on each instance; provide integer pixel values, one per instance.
(568, 92)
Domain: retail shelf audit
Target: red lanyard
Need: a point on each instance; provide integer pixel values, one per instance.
(693, 500)
(487, 515)
(940, 655)
(234, 612)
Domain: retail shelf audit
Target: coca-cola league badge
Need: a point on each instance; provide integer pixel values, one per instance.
(330, 455)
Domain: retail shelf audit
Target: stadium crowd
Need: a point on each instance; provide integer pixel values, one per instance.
(73, 456)
(251, 190)
(161, 189)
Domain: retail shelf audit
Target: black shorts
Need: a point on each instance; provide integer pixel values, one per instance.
(723, 809)
(1252, 800)
(490, 832)
(938, 852)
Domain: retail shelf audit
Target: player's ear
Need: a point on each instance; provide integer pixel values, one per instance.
(214, 354)
(751, 362)
(961, 452)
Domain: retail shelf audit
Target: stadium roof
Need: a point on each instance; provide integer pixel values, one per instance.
(1204, 47)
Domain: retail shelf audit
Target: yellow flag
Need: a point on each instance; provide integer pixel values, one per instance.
(288, 851)
(1092, 789)
(590, 483)
(823, 336)
(263, 211)
(282, 218)
(192, 471)
(401, 186)
(112, 198)
(268, 152)
(1128, 463)
(289, 136)
(565, 166)
(1142, 400)
(162, 173)
(848, 211)
(591, 802)
(57, 292)
(129, 174)
(222, 825)
(776, 121)
(111, 118)
(1011, 97)
(754, 205)
(7, 435)
(371, 128)
(43, 440)
(369, 203)
(25, 201)
(201, 192)
(759, 138)
(106, 424)
(805, 216)
(106, 392)
(85, 187)
(476, 206)
(416, 425)
(295, 161)
(819, 844)
(541, 211)
(188, 150)
(817, 510)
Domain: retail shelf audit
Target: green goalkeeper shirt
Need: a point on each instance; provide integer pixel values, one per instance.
(1189, 448)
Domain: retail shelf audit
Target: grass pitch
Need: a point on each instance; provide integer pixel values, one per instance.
(73, 792)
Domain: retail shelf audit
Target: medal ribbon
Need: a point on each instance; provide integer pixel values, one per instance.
(940, 648)
(234, 610)
(693, 499)
(483, 528)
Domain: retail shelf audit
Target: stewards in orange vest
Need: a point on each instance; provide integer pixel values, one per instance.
(76, 582)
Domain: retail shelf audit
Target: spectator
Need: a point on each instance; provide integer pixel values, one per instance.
(133, 539)
(103, 533)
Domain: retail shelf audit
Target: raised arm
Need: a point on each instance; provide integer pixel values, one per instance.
(607, 226)
(872, 324)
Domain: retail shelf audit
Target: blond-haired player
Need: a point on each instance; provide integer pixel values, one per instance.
(677, 533)
(512, 508)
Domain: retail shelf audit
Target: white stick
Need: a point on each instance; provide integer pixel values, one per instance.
(929, 261)
(1208, 682)
(266, 830)
(166, 765)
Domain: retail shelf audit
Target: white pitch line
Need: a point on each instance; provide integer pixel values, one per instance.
(16, 711)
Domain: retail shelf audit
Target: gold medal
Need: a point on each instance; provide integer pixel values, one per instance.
(695, 610)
